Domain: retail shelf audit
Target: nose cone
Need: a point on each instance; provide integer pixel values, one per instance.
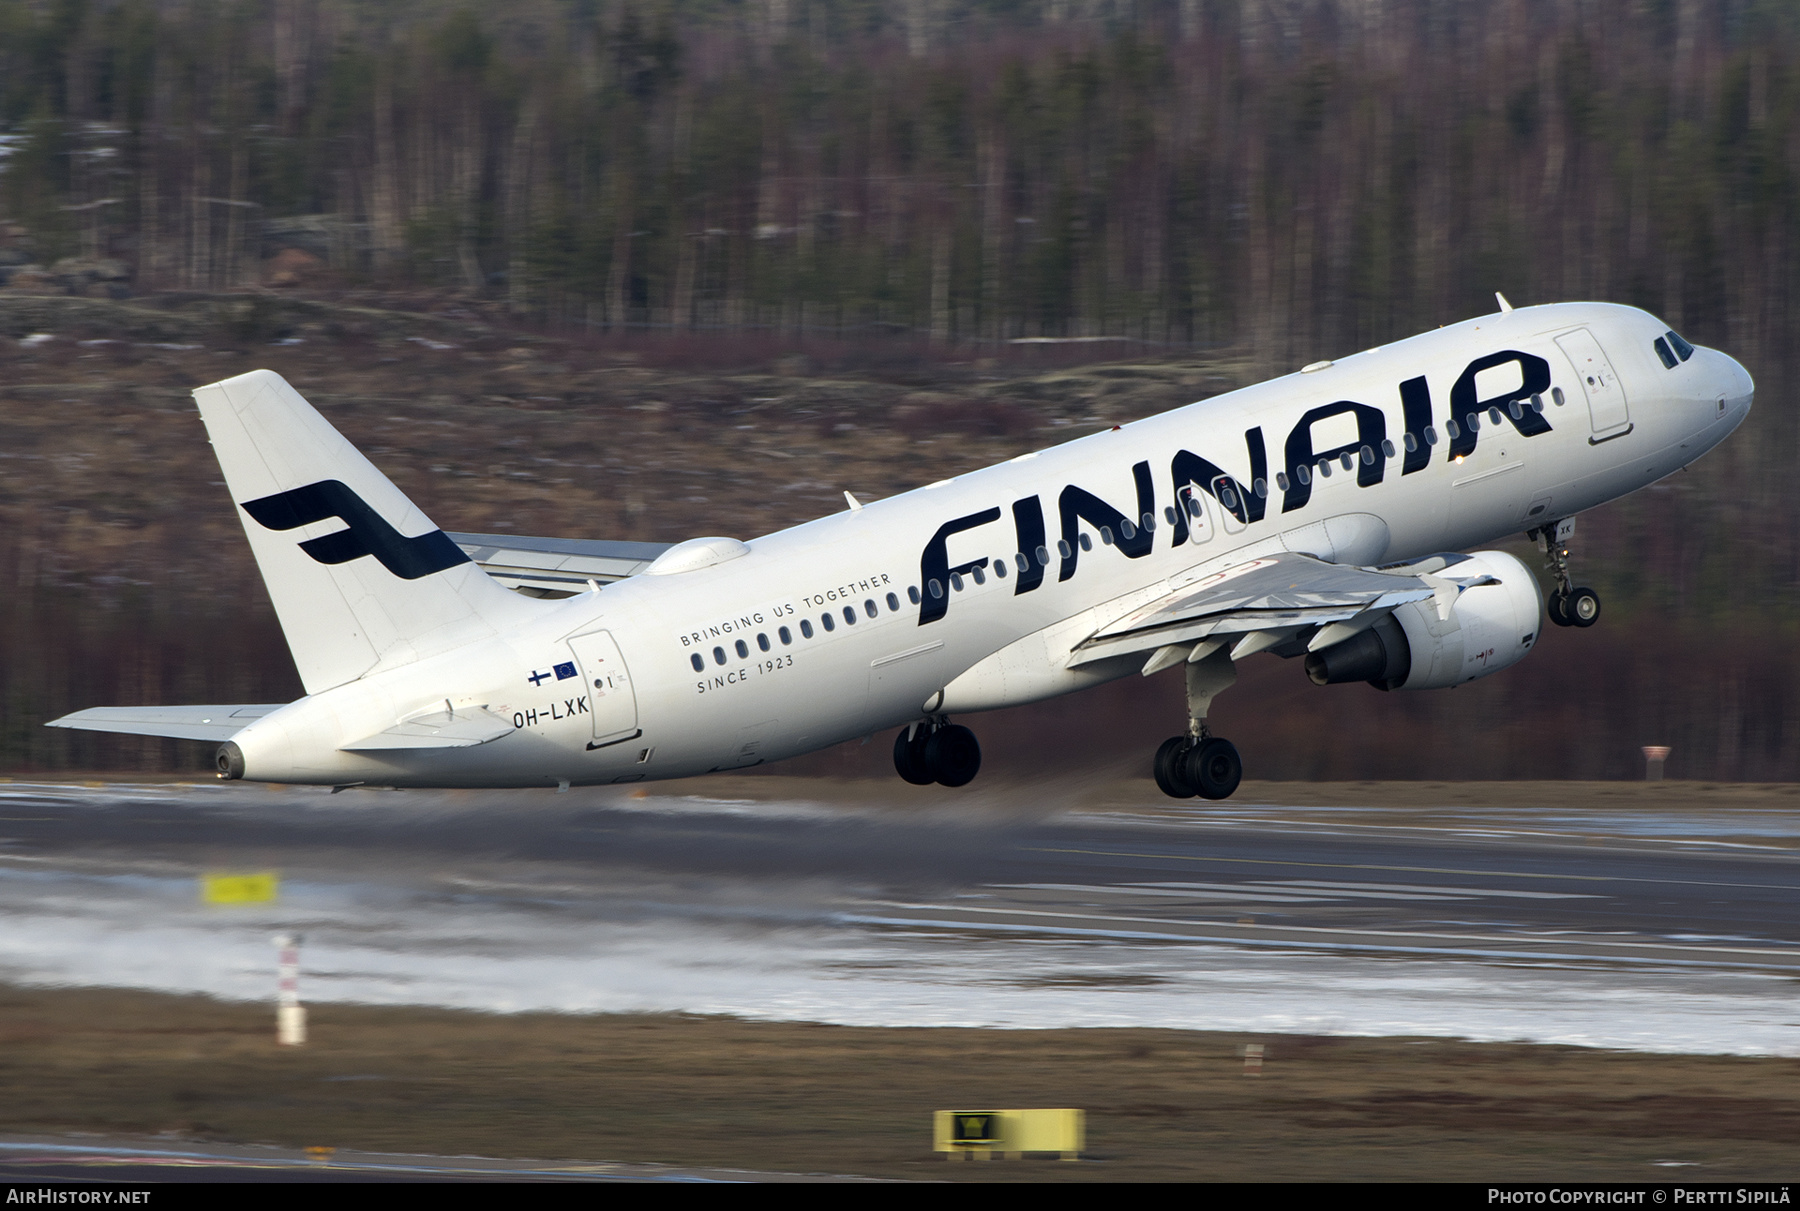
(1734, 384)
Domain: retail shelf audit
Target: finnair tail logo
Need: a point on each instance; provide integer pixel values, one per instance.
(369, 532)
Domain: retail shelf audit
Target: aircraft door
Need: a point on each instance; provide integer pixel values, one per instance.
(1605, 394)
(1192, 501)
(608, 683)
(1226, 491)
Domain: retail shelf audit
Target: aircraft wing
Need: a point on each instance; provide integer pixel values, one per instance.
(175, 722)
(556, 567)
(1266, 602)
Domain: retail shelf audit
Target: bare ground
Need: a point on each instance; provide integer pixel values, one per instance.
(1161, 1105)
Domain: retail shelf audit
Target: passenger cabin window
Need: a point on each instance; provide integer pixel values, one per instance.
(830, 623)
(1281, 480)
(806, 628)
(871, 609)
(718, 655)
(1106, 538)
(956, 582)
(893, 603)
(912, 591)
(743, 649)
(1087, 544)
(1556, 393)
(1000, 568)
(762, 641)
(1023, 562)
(979, 575)
(787, 636)
(699, 664)
(849, 616)
(1669, 360)
(1683, 350)
(935, 588)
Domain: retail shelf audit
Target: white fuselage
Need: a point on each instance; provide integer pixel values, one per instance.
(1005, 640)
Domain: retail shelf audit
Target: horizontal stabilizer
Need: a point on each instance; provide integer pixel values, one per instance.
(464, 728)
(175, 722)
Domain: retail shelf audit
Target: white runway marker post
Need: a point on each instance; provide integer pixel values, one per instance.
(1654, 756)
(1253, 1058)
(290, 1014)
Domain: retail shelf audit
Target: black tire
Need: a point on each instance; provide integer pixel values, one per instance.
(1583, 608)
(1558, 608)
(1171, 770)
(909, 758)
(1214, 768)
(953, 755)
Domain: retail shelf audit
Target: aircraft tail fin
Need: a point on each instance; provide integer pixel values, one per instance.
(360, 577)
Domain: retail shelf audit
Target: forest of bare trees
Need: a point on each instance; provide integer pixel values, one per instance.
(1281, 180)
(1308, 176)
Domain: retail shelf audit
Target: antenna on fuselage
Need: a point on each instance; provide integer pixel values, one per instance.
(1504, 305)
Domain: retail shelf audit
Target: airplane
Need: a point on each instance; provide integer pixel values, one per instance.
(1320, 516)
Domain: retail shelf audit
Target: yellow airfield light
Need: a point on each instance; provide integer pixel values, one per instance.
(965, 1134)
(218, 887)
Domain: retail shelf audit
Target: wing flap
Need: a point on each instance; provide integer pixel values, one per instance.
(464, 728)
(175, 722)
(1285, 592)
(556, 567)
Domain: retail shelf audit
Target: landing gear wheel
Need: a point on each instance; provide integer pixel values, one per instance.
(909, 757)
(1170, 768)
(1583, 607)
(1558, 608)
(1214, 768)
(952, 755)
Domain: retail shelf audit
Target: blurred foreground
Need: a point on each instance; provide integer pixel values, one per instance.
(791, 974)
(677, 1089)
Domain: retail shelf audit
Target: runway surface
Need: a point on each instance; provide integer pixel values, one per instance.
(1005, 908)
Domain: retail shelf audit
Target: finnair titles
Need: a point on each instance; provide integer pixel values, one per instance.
(1321, 516)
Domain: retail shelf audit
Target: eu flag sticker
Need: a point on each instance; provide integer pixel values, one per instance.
(565, 670)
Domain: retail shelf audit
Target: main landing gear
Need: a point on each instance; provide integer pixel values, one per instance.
(936, 750)
(1201, 763)
(1569, 605)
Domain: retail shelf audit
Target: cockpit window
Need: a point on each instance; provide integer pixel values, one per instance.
(1682, 348)
(1662, 351)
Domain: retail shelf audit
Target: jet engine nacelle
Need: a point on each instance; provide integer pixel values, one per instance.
(1490, 627)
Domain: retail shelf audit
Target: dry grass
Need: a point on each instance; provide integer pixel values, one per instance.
(1161, 1104)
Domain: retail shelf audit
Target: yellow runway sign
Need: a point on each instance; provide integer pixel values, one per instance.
(258, 888)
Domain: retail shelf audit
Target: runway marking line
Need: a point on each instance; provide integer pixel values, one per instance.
(1415, 937)
(1417, 870)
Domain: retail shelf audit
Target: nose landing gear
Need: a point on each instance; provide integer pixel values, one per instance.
(1568, 605)
(936, 750)
(1201, 763)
